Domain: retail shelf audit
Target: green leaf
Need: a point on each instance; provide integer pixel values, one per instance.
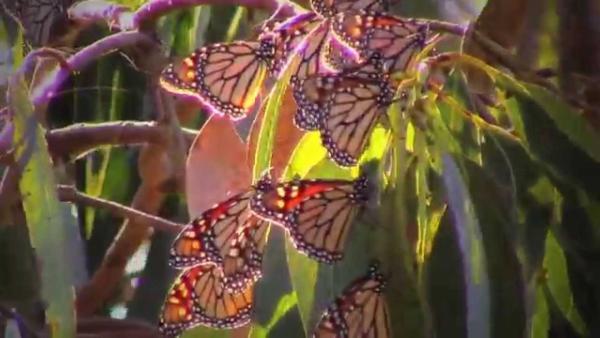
(558, 282)
(540, 324)
(566, 119)
(51, 223)
(308, 153)
(497, 217)
(276, 282)
(286, 303)
(264, 147)
(470, 243)
(557, 137)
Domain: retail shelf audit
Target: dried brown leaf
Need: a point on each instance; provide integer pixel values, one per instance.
(216, 165)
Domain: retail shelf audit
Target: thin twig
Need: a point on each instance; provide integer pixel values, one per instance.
(79, 139)
(48, 88)
(159, 165)
(67, 193)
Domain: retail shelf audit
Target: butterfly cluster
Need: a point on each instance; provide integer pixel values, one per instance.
(220, 251)
(340, 57)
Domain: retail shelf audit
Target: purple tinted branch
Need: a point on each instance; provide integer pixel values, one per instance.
(6, 137)
(120, 17)
(156, 8)
(42, 93)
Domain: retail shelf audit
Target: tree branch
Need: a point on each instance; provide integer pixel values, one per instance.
(67, 193)
(79, 139)
(120, 17)
(158, 167)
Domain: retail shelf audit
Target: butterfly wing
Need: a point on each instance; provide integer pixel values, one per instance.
(360, 311)
(329, 8)
(242, 265)
(312, 95)
(393, 40)
(287, 36)
(317, 213)
(352, 111)
(177, 313)
(209, 237)
(38, 18)
(310, 63)
(215, 306)
(225, 77)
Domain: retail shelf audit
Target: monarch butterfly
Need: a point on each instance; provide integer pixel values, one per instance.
(339, 58)
(393, 40)
(329, 8)
(177, 313)
(242, 265)
(227, 235)
(224, 77)
(360, 311)
(351, 113)
(317, 213)
(311, 95)
(39, 18)
(310, 63)
(198, 298)
(287, 36)
(347, 108)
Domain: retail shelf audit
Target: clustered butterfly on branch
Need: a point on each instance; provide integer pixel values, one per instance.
(341, 58)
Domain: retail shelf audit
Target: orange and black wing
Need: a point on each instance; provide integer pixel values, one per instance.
(242, 265)
(359, 312)
(225, 77)
(208, 239)
(317, 213)
(312, 95)
(309, 63)
(393, 40)
(198, 298)
(350, 114)
(215, 306)
(286, 37)
(177, 314)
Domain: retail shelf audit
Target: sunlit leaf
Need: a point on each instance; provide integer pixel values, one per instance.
(276, 282)
(52, 224)
(558, 282)
(285, 134)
